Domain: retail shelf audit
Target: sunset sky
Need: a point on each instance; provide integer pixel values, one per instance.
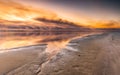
(81, 11)
(94, 13)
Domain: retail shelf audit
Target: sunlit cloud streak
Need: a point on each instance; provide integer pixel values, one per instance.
(83, 12)
(96, 14)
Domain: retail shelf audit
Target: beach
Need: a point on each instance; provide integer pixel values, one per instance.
(91, 55)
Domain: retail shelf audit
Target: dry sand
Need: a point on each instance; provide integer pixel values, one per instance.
(91, 55)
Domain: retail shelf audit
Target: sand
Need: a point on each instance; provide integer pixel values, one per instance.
(17, 57)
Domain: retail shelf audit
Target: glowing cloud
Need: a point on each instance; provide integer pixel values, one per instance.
(12, 11)
(15, 13)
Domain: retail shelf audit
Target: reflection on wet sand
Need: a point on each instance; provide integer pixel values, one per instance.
(20, 39)
(24, 48)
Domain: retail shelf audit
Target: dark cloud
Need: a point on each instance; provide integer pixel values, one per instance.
(110, 4)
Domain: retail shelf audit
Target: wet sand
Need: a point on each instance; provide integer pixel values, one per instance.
(91, 55)
(15, 58)
(94, 55)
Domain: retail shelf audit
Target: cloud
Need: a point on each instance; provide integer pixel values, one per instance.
(13, 11)
(107, 24)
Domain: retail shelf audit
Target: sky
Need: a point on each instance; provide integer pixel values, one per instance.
(91, 13)
(81, 11)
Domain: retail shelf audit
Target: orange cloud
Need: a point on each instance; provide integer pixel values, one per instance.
(106, 24)
(15, 13)
(12, 11)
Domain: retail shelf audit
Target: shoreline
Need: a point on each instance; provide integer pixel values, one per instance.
(89, 52)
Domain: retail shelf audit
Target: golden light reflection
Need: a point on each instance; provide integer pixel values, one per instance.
(53, 39)
(54, 47)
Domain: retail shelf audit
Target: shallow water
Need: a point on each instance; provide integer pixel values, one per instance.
(20, 48)
(54, 40)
